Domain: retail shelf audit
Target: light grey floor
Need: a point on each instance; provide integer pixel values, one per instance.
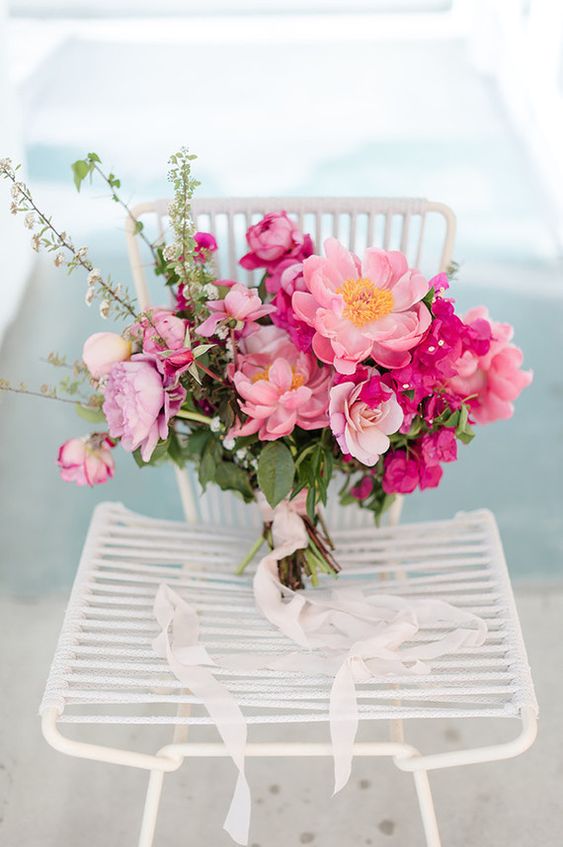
(50, 800)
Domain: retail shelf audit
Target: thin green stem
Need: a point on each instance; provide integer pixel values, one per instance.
(193, 416)
(250, 555)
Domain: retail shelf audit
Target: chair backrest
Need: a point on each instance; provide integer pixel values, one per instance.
(423, 230)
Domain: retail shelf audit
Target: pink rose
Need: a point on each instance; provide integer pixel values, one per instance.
(401, 474)
(362, 309)
(241, 304)
(273, 238)
(87, 461)
(102, 350)
(361, 418)
(281, 388)
(137, 406)
(496, 378)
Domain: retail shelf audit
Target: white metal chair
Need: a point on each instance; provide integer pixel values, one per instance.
(104, 670)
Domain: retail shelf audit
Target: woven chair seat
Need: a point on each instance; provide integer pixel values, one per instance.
(105, 669)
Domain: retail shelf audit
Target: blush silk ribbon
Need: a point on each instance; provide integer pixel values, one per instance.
(189, 661)
(344, 633)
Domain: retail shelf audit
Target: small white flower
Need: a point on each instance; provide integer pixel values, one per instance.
(171, 252)
(59, 260)
(229, 443)
(215, 424)
(6, 166)
(36, 243)
(253, 463)
(82, 252)
(221, 332)
(29, 220)
(16, 190)
(90, 294)
(241, 454)
(94, 276)
(211, 291)
(104, 309)
(14, 208)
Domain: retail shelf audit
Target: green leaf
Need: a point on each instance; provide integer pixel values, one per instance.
(92, 414)
(139, 226)
(80, 169)
(463, 418)
(93, 157)
(311, 502)
(159, 453)
(467, 435)
(210, 458)
(275, 472)
(429, 297)
(229, 477)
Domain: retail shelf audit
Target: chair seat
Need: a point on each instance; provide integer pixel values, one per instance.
(105, 670)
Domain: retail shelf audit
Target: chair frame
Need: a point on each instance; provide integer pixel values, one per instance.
(406, 757)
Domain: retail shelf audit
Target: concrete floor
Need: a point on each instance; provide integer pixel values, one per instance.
(50, 800)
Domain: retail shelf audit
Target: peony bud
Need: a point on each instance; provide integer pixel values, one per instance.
(102, 350)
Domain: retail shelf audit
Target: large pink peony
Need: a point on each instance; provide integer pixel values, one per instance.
(137, 406)
(280, 386)
(362, 310)
(362, 416)
(87, 461)
(495, 378)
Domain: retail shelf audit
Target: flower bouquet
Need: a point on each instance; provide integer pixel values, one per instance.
(334, 365)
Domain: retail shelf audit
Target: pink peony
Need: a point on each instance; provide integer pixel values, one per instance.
(87, 461)
(496, 377)
(362, 310)
(272, 239)
(291, 280)
(137, 405)
(281, 387)
(241, 304)
(362, 416)
(102, 350)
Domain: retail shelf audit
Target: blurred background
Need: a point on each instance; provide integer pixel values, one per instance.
(459, 101)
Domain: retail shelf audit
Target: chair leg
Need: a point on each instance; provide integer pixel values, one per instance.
(150, 812)
(427, 811)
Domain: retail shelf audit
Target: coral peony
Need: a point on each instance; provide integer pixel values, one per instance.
(495, 378)
(88, 460)
(362, 310)
(137, 405)
(102, 350)
(281, 388)
(362, 416)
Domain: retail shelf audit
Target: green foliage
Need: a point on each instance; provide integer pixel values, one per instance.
(276, 470)
(92, 414)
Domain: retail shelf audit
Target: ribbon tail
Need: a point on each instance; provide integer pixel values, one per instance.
(237, 822)
(343, 713)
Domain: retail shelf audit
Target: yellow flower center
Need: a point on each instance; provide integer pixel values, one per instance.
(365, 302)
(297, 379)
